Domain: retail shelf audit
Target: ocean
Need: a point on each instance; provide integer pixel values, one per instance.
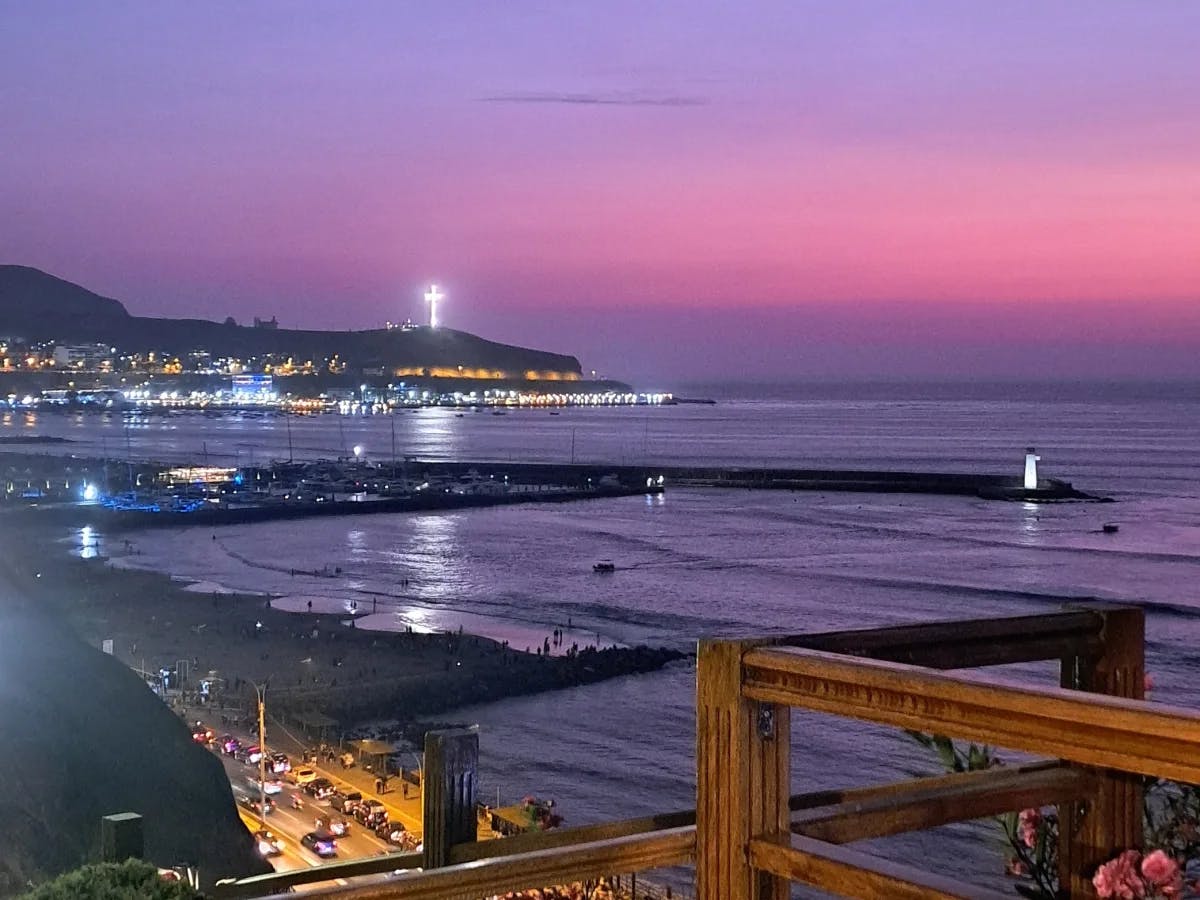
(696, 563)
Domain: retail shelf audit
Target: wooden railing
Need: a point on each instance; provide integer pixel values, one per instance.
(749, 839)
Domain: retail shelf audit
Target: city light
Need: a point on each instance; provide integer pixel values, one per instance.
(91, 493)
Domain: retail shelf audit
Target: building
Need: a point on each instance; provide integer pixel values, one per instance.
(89, 357)
(252, 388)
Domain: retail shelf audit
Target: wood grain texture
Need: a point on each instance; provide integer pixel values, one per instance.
(931, 802)
(1094, 730)
(849, 873)
(1109, 819)
(970, 643)
(471, 881)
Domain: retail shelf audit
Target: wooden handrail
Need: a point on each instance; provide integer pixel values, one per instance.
(276, 882)
(930, 802)
(969, 643)
(1092, 729)
(470, 881)
(851, 873)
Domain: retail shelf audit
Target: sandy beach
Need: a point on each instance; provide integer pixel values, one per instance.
(316, 661)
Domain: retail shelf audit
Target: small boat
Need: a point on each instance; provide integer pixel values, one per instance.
(1110, 528)
(458, 415)
(499, 412)
(555, 413)
(604, 567)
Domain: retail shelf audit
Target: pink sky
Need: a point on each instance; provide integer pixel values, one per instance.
(667, 189)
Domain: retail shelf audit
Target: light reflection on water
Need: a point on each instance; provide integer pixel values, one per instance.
(432, 555)
(89, 543)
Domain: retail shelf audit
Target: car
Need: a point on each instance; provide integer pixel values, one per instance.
(270, 786)
(268, 844)
(344, 800)
(279, 763)
(229, 744)
(301, 776)
(201, 735)
(252, 755)
(251, 803)
(321, 844)
(318, 788)
(370, 812)
(389, 831)
(335, 825)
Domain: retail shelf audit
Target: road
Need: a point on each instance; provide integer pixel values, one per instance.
(290, 824)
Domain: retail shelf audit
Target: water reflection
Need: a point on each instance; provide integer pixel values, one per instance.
(433, 552)
(89, 543)
(1031, 523)
(434, 434)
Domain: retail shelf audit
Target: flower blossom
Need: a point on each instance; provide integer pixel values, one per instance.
(1028, 823)
(1163, 873)
(1118, 879)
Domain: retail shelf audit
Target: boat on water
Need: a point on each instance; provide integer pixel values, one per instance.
(1110, 528)
(499, 412)
(604, 567)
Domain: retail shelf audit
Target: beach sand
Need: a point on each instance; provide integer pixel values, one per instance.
(316, 662)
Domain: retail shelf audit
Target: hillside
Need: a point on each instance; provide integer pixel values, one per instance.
(83, 738)
(40, 307)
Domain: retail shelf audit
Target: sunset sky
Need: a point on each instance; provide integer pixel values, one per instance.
(669, 190)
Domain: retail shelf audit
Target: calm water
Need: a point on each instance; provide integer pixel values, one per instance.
(697, 563)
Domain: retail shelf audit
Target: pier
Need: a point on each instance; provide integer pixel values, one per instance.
(987, 486)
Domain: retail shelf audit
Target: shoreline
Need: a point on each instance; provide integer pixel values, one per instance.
(311, 662)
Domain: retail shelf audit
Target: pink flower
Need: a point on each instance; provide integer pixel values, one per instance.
(1163, 873)
(1118, 878)
(1147, 683)
(1028, 823)
(1017, 868)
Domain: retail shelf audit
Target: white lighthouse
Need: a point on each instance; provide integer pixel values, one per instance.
(433, 297)
(1031, 476)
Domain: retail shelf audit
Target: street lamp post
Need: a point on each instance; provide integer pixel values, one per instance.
(260, 694)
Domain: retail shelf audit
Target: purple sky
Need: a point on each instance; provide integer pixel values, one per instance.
(668, 190)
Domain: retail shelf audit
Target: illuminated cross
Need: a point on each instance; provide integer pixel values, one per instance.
(432, 297)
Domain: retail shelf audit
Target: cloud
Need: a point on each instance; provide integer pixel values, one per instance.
(595, 99)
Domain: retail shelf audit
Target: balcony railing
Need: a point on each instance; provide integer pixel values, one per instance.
(749, 840)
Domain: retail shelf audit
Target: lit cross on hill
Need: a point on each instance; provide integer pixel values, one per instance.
(432, 297)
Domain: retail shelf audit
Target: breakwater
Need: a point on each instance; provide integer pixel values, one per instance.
(988, 486)
(496, 672)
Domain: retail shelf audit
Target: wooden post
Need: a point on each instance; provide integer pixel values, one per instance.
(448, 789)
(743, 775)
(1094, 831)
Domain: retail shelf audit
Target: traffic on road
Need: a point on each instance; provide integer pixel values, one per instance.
(301, 815)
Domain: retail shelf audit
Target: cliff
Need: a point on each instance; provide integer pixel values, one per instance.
(40, 307)
(83, 738)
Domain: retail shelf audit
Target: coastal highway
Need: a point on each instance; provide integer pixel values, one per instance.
(292, 824)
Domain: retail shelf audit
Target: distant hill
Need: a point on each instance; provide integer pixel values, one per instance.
(41, 307)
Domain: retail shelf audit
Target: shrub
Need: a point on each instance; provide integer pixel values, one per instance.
(113, 881)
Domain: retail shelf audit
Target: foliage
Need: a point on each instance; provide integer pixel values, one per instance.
(541, 814)
(1171, 833)
(113, 881)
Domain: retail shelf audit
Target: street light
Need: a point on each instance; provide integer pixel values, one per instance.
(260, 692)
